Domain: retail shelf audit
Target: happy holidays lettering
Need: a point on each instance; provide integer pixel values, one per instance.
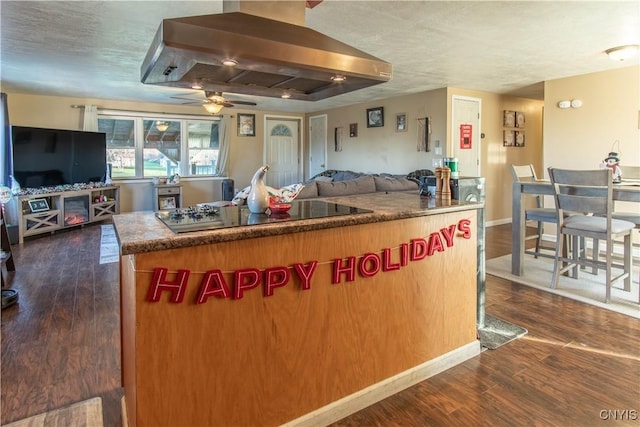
(214, 283)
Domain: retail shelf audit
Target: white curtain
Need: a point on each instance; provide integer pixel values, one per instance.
(223, 149)
(90, 120)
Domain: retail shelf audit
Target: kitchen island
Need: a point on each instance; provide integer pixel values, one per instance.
(303, 319)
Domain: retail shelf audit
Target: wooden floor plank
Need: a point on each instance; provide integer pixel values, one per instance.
(61, 344)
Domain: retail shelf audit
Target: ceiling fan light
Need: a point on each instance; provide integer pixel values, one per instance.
(229, 62)
(622, 53)
(162, 126)
(213, 108)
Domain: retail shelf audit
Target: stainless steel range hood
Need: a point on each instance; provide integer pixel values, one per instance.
(273, 58)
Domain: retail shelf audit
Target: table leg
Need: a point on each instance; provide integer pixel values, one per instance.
(517, 230)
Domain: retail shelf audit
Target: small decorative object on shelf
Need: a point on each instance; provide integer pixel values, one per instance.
(38, 205)
(612, 161)
(60, 188)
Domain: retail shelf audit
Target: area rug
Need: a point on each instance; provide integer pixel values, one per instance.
(588, 288)
(109, 251)
(87, 413)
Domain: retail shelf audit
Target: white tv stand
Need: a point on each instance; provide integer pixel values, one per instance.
(62, 209)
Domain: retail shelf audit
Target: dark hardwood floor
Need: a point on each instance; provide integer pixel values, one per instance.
(579, 365)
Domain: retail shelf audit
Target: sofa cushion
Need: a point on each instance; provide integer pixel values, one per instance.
(362, 185)
(346, 175)
(386, 183)
(309, 191)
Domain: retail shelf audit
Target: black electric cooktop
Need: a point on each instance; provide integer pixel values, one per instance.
(211, 218)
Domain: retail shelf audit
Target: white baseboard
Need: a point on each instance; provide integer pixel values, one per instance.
(498, 222)
(355, 402)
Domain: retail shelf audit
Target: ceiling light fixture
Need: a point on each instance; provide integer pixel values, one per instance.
(213, 108)
(229, 62)
(162, 126)
(338, 78)
(196, 86)
(622, 53)
(285, 95)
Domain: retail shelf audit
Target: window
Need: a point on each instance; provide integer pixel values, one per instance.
(142, 147)
(161, 148)
(203, 147)
(121, 147)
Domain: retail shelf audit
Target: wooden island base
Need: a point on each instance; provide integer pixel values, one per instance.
(277, 353)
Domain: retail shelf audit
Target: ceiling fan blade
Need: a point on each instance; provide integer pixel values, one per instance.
(190, 95)
(233, 101)
(186, 98)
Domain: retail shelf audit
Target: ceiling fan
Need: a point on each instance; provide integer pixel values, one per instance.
(213, 102)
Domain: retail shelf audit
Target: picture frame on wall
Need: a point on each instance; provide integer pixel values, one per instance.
(509, 118)
(353, 130)
(375, 117)
(246, 124)
(508, 139)
(401, 122)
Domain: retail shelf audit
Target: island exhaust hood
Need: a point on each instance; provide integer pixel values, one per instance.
(273, 58)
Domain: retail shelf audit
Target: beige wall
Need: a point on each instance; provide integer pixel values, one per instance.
(245, 156)
(574, 138)
(496, 158)
(373, 150)
(382, 149)
(580, 138)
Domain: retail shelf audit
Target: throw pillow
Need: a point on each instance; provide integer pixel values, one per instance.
(285, 194)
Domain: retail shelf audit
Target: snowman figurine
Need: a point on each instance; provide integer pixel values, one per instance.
(613, 161)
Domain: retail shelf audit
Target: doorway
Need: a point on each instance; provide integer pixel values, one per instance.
(317, 144)
(465, 134)
(283, 151)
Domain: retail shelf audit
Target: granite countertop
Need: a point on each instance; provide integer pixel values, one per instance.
(140, 232)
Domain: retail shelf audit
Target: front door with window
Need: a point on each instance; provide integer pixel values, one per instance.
(282, 152)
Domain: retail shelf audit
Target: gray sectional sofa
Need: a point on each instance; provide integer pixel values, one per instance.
(332, 183)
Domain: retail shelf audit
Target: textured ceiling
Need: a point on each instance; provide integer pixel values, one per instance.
(95, 49)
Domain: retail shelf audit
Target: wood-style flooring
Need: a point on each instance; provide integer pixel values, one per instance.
(579, 365)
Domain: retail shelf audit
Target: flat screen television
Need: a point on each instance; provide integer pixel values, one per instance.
(50, 157)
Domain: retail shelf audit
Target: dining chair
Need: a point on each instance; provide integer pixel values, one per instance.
(539, 214)
(587, 195)
(629, 174)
